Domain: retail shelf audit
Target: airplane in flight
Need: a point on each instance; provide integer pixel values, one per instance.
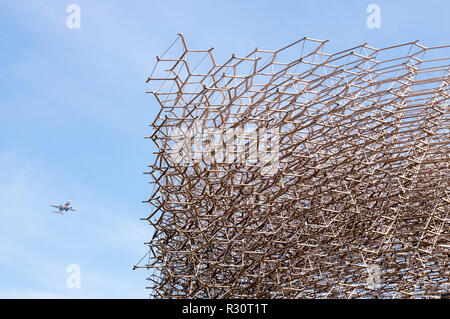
(63, 208)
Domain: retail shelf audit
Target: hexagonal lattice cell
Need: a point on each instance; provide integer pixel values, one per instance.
(356, 200)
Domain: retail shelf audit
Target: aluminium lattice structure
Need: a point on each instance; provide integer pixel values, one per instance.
(357, 204)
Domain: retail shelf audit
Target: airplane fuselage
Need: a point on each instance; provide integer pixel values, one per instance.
(63, 208)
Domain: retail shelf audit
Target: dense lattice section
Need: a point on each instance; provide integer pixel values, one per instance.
(358, 203)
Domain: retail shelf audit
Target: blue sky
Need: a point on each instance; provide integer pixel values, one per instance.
(74, 114)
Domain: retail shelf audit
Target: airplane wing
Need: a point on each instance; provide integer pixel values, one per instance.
(73, 209)
(57, 206)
